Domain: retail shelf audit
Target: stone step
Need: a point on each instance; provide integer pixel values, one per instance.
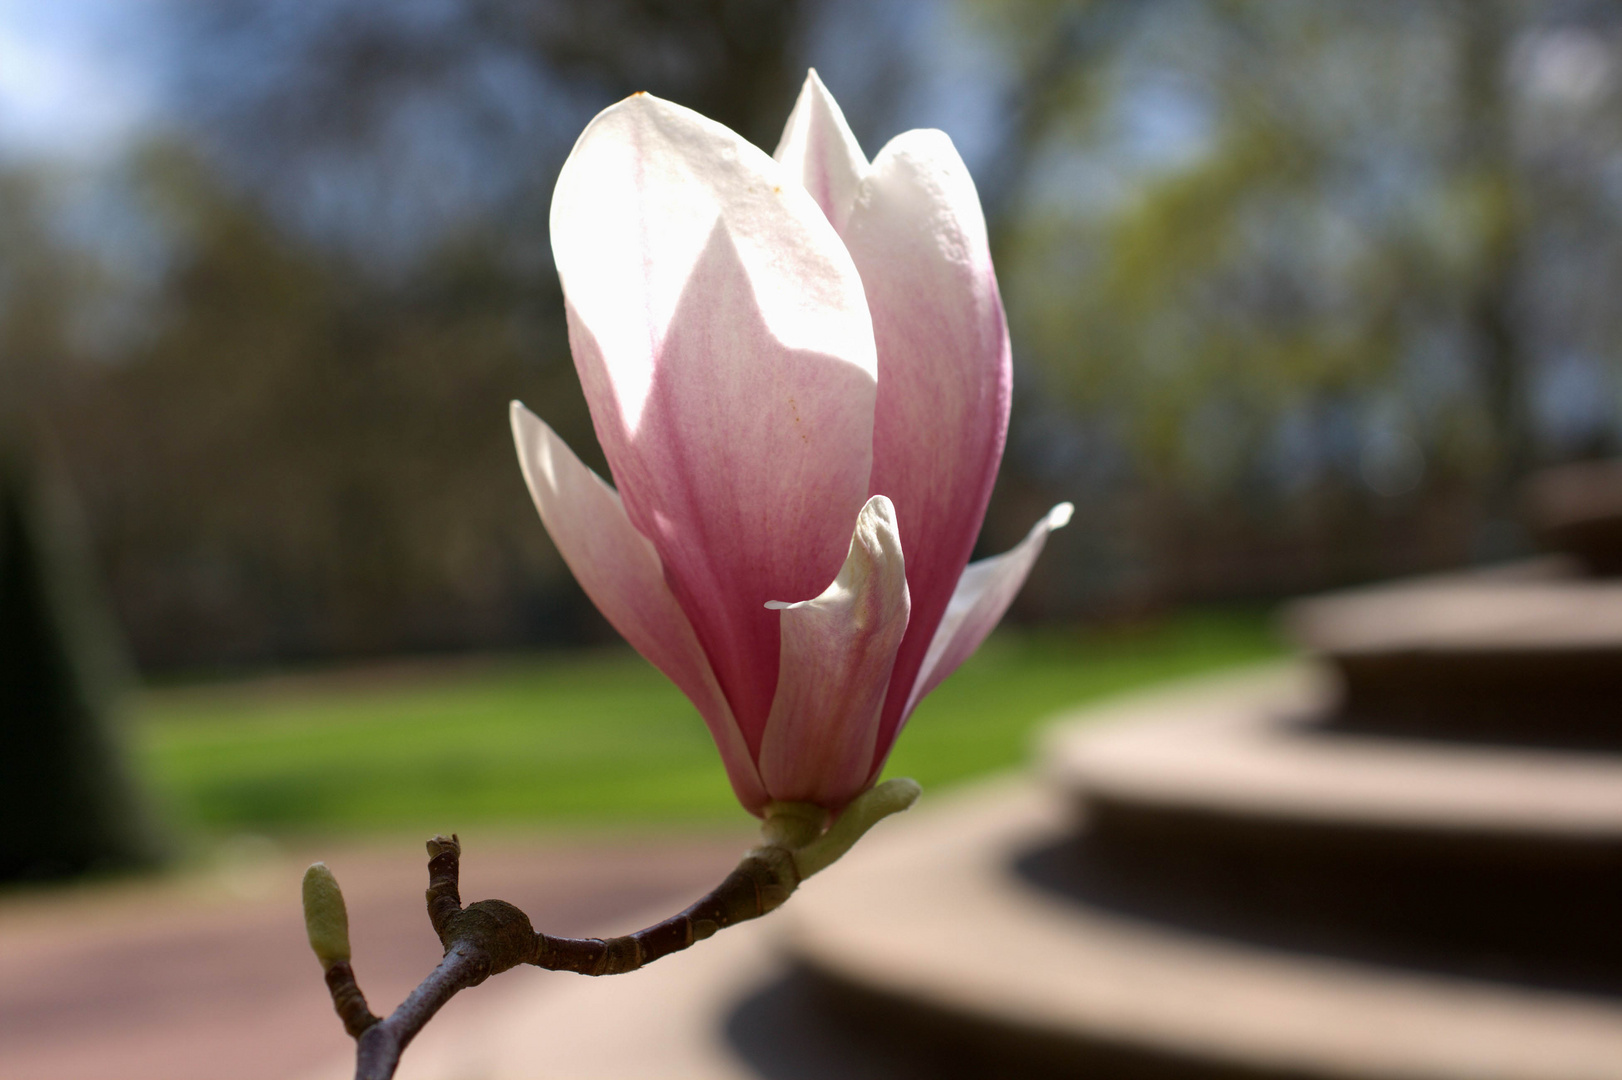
(942, 937)
(1467, 857)
(1578, 509)
(1528, 653)
(1253, 747)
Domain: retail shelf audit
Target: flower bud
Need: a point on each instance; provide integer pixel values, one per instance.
(325, 918)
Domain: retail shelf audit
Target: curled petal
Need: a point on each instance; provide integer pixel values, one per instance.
(837, 653)
(983, 594)
(919, 239)
(619, 569)
(819, 150)
(725, 349)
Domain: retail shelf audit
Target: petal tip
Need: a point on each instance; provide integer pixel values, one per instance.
(881, 507)
(814, 83)
(819, 150)
(523, 422)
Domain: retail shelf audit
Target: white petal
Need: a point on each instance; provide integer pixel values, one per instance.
(837, 651)
(819, 150)
(724, 346)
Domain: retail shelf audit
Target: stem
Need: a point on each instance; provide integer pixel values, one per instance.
(761, 882)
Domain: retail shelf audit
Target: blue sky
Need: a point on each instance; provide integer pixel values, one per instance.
(77, 77)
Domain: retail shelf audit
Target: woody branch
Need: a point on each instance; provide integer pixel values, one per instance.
(491, 936)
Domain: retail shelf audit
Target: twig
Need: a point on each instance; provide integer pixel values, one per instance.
(492, 936)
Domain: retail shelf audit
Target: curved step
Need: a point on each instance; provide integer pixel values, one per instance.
(1461, 856)
(1251, 748)
(1578, 508)
(1526, 653)
(928, 936)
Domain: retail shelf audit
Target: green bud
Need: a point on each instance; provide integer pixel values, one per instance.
(865, 811)
(325, 918)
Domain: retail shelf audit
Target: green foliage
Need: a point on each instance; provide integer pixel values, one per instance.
(592, 738)
(1337, 243)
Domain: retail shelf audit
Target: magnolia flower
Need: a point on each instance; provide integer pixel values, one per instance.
(799, 373)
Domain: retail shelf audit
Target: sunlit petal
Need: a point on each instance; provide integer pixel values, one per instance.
(724, 345)
(819, 150)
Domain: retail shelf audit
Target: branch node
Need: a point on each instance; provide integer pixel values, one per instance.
(494, 934)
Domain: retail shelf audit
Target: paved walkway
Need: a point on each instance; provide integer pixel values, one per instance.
(207, 976)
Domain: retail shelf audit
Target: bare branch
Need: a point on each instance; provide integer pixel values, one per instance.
(492, 936)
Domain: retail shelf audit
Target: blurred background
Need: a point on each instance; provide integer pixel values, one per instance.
(1300, 294)
(1298, 291)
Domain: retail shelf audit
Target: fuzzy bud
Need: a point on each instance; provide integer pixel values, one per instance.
(325, 918)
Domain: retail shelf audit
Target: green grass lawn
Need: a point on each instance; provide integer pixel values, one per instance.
(594, 738)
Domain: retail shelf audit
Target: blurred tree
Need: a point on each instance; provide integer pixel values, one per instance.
(1288, 264)
(1298, 290)
(297, 460)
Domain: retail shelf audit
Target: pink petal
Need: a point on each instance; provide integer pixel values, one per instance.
(836, 659)
(982, 595)
(918, 237)
(620, 571)
(819, 150)
(723, 342)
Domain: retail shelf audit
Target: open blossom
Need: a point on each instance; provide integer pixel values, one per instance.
(798, 369)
